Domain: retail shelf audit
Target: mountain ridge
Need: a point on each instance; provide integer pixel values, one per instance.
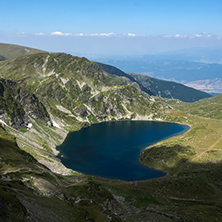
(75, 93)
(157, 87)
(8, 51)
(172, 69)
(169, 89)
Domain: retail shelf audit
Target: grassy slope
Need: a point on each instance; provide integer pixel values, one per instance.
(117, 72)
(209, 107)
(157, 87)
(193, 162)
(167, 89)
(192, 191)
(8, 51)
(30, 192)
(22, 179)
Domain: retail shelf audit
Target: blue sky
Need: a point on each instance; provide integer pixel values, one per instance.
(103, 27)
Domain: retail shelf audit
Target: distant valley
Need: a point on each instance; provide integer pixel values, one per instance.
(200, 69)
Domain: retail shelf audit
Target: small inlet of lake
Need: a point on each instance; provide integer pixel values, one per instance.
(112, 149)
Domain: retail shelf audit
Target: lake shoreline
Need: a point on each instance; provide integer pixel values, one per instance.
(128, 127)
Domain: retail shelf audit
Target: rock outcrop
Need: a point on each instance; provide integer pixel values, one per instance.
(18, 106)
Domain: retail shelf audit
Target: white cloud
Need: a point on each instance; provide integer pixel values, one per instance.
(131, 34)
(40, 33)
(167, 36)
(79, 34)
(57, 33)
(135, 35)
(101, 34)
(203, 35)
(92, 34)
(107, 34)
(60, 33)
(206, 35)
(180, 36)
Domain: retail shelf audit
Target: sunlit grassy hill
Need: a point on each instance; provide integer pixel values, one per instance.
(8, 51)
(168, 89)
(209, 107)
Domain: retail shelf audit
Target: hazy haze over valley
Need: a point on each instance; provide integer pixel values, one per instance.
(199, 68)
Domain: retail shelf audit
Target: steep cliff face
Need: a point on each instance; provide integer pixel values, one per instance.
(17, 106)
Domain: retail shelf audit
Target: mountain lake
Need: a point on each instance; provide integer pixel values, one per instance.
(112, 149)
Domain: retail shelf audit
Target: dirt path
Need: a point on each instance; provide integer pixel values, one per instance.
(198, 156)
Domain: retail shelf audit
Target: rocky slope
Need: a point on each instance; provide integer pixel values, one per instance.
(117, 72)
(72, 87)
(59, 93)
(18, 107)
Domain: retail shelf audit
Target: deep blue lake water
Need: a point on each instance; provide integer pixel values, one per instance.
(112, 149)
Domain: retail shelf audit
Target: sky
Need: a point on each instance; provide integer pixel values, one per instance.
(113, 27)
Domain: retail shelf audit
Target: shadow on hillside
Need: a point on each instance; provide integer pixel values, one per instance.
(12, 155)
(195, 188)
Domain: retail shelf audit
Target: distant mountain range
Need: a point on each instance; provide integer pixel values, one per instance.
(212, 86)
(193, 67)
(148, 85)
(197, 54)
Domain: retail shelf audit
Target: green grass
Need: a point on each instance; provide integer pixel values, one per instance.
(191, 191)
(9, 51)
(168, 89)
(210, 107)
